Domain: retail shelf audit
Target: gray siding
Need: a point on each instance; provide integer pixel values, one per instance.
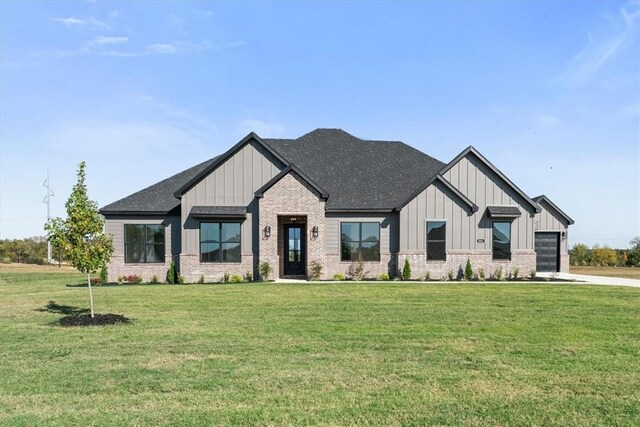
(388, 230)
(115, 227)
(549, 220)
(233, 183)
(481, 185)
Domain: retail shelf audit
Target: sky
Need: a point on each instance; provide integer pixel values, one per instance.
(549, 92)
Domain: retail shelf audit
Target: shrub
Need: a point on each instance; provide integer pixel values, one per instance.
(427, 276)
(171, 273)
(468, 271)
(315, 270)
(450, 276)
(481, 274)
(532, 274)
(356, 270)
(338, 277)
(265, 270)
(248, 276)
(201, 279)
(180, 280)
(384, 276)
(104, 277)
(499, 274)
(133, 278)
(120, 280)
(95, 280)
(515, 273)
(225, 277)
(235, 278)
(154, 280)
(406, 270)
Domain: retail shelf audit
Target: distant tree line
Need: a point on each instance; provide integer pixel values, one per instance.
(603, 256)
(32, 250)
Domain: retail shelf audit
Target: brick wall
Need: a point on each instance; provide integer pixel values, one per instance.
(191, 268)
(117, 267)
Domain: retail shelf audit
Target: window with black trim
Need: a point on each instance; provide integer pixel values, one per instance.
(360, 241)
(501, 240)
(143, 243)
(219, 242)
(436, 240)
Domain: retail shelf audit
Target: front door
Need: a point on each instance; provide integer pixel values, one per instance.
(294, 250)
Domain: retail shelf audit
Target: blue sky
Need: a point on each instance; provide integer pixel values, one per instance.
(548, 91)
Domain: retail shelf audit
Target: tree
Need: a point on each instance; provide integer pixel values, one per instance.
(468, 271)
(80, 236)
(406, 270)
(580, 254)
(604, 256)
(633, 257)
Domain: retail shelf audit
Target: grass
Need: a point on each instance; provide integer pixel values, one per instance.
(623, 272)
(339, 354)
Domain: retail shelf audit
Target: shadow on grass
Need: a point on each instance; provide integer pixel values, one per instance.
(76, 316)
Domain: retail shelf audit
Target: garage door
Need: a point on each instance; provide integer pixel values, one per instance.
(547, 251)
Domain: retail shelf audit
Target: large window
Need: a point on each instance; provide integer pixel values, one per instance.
(219, 242)
(501, 240)
(143, 243)
(436, 240)
(360, 241)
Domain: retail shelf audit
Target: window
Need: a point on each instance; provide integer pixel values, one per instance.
(219, 242)
(360, 241)
(501, 240)
(436, 239)
(143, 243)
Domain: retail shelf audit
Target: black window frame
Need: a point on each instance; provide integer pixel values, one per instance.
(359, 241)
(443, 241)
(144, 243)
(493, 242)
(220, 243)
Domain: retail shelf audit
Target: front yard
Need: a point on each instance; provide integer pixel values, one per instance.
(373, 353)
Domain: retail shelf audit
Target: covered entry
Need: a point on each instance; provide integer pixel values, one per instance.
(547, 251)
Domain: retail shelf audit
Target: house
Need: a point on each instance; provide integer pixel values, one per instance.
(335, 199)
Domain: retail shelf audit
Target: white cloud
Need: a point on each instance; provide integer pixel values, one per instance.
(105, 40)
(162, 48)
(73, 21)
(604, 44)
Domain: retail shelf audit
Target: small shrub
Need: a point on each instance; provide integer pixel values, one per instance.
(225, 277)
(265, 270)
(406, 270)
(468, 271)
(515, 273)
(201, 279)
(508, 274)
(248, 276)
(315, 270)
(384, 277)
(338, 277)
(450, 275)
(154, 280)
(499, 274)
(120, 280)
(133, 278)
(532, 274)
(171, 273)
(180, 280)
(356, 270)
(235, 278)
(95, 281)
(104, 277)
(481, 274)
(427, 276)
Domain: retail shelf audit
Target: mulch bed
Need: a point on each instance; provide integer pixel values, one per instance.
(87, 320)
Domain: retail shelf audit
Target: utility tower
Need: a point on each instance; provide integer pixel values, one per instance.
(47, 200)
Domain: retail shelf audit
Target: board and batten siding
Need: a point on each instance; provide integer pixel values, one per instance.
(114, 225)
(464, 228)
(233, 183)
(549, 220)
(388, 230)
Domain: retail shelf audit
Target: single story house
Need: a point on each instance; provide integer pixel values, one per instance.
(333, 199)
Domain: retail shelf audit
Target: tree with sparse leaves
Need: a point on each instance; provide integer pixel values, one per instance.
(80, 236)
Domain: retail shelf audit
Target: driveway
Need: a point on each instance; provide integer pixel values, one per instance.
(594, 280)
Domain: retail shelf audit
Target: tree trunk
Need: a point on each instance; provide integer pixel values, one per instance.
(90, 293)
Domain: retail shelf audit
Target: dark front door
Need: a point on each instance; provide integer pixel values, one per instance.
(547, 251)
(294, 250)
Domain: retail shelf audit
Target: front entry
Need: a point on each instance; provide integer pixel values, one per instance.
(294, 250)
(547, 245)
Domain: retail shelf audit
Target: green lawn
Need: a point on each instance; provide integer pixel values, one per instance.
(374, 353)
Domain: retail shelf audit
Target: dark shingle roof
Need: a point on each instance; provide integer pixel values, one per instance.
(543, 198)
(503, 211)
(358, 174)
(219, 211)
(157, 198)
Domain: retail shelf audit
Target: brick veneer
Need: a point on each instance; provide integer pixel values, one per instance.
(373, 269)
(117, 268)
(290, 197)
(191, 268)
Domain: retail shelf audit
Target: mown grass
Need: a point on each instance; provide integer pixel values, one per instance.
(340, 354)
(622, 272)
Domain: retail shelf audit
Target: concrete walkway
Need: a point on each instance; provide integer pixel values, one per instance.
(594, 280)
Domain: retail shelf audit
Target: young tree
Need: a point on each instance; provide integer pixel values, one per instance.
(80, 236)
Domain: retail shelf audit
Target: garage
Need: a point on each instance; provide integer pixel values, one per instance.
(547, 251)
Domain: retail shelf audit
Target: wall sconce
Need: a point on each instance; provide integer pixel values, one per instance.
(314, 231)
(564, 235)
(267, 232)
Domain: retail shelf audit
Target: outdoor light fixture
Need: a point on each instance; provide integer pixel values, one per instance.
(314, 231)
(267, 232)
(564, 235)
